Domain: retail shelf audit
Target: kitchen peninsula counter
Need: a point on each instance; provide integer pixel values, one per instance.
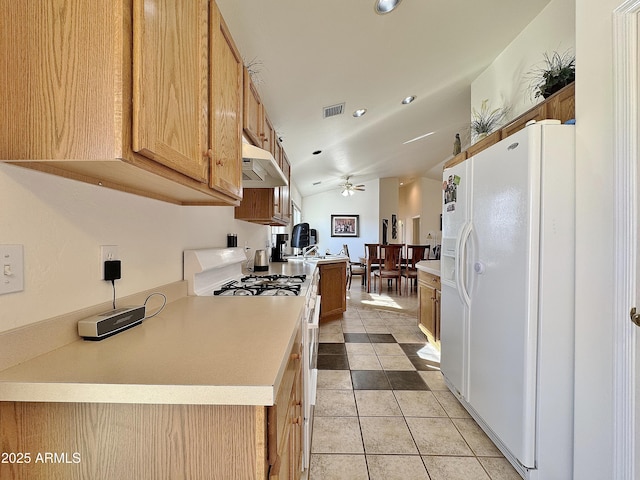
(429, 266)
(198, 350)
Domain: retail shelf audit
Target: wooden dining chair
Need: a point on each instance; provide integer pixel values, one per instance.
(354, 268)
(391, 265)
(372, 256)
(415, 254)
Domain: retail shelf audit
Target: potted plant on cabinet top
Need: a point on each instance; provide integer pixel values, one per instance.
(486, 120)
(557, 71)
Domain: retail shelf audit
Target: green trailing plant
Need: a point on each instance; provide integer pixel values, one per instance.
(486, 120)
(556, 71)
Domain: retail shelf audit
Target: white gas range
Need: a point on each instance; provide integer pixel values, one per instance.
(218, 271)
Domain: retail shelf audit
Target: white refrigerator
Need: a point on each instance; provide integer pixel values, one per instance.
(507, 312)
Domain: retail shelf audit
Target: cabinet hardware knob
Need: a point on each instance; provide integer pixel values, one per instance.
(297, 421)
(295, 356)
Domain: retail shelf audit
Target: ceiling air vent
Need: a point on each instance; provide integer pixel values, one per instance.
(333, 110)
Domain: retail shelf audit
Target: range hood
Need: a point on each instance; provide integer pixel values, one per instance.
(260, 169)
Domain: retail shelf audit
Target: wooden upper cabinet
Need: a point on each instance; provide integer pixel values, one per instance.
(258, 206)
(253, 114)
(562, 105)
(73, 116)
(170, 84)
(226, 72)
(269, 140)
(285, 191)
(559, 106)
(142, 96)
(536, 113)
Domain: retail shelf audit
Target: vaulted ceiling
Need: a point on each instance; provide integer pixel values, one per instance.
(312, 54)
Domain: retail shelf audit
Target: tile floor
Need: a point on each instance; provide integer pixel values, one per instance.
(383, 411)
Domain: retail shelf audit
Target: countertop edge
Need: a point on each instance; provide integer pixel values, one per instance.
(429, 266)
(138, 394)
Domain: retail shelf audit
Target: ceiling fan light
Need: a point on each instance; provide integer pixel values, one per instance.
(345, 192)
(385, 6)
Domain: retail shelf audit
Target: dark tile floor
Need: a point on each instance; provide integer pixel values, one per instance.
(383, 411)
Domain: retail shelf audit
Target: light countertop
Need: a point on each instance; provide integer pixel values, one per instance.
(429, 266)
(198, 350)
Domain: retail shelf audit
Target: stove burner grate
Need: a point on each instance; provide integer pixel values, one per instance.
(265, 285)
(274, 278)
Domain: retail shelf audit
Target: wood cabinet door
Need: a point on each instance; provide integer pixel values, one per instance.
(285, 195)
(60, 95)
(225, 80)
(295, 442)
(536, 113)
(268, 136)
(333, 289)
(437, 314)
(170, 84)
(561, 105)
(277, 192)
(427, 299)
(252, 111)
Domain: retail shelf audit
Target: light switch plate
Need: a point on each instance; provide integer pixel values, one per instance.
(11, 269)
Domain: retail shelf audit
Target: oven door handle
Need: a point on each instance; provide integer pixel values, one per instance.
(315, 320)
(314, 332)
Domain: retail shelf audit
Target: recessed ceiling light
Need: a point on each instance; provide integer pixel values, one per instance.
(317, 152)
(408, 100)
(360, 112)
(418, 138)
(385, 6)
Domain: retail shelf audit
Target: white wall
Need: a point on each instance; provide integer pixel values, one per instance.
(594, 248)
(503, 83)
(410, 206)
(317, 210)
(62, 224)
(431, 210)
(423, 198)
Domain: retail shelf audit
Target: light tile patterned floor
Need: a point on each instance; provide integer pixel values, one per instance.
(383, 411)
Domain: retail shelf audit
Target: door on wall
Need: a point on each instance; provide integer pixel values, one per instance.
(416, 231)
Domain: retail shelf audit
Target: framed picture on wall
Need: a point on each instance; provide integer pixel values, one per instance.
(345, 225)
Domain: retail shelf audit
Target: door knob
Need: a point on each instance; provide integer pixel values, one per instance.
(635, 317)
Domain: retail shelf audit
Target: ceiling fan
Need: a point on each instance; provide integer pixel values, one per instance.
(349, 188)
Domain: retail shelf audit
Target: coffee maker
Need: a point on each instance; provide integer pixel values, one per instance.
(277, 252)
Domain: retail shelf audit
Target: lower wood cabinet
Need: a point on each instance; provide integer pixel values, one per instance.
(429, 310)
(333, 289)
(285, 420)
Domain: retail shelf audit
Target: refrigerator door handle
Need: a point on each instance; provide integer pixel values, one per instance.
(461, 260)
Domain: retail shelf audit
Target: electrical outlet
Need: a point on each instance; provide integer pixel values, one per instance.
(107, 252)
(12, 273)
